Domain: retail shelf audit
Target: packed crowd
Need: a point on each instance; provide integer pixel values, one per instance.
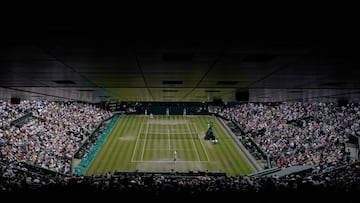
(52, 136)
(10, 112)
(18, 177)
(37, 156)
(319, 140)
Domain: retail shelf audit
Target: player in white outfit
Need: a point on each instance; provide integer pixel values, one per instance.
(175, 153)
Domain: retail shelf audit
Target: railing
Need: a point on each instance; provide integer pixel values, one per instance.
(21, 120)
(265, 171)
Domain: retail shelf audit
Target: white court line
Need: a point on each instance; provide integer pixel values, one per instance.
(170, 161)
(197, 153)
(167, 132)
(180, 149)
(197, 132)
(169, 138)
(143, 150)
(137, 140)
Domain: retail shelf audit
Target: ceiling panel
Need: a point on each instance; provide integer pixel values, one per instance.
(129, 94)
(69, 62)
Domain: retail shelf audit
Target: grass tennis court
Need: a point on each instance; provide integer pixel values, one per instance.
(148, 144)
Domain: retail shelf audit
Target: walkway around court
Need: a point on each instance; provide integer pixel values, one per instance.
(81, 168)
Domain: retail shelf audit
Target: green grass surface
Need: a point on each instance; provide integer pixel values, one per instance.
(147, 144)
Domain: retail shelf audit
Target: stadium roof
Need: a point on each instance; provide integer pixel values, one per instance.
(79, 62)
